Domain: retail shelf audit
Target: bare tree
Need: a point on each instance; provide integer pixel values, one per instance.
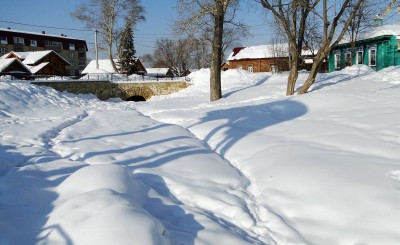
(104, 15)
(329, 41)
(292, 17)
(363, 21)
(193, 16)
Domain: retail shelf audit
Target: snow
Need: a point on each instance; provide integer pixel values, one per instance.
(35, 69)
(105, 66)
(4, 63)
(256, 167)
(265, 51)
(32, 58)
(260, 52)
(156, 71)
(38, 33)
(390, 30)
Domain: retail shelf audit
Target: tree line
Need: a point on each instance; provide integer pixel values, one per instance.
(207, 29)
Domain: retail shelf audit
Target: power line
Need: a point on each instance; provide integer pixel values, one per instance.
(49, 27)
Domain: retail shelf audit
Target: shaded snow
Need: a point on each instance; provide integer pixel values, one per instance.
(255, 167)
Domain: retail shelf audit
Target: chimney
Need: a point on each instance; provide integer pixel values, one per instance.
(43, 32)
(62, 34)
(378, 20)
(8, 28)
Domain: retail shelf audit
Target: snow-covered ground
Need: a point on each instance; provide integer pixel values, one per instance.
(256, 167)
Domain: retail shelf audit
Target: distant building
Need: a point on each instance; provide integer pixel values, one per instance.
(159, 72)
(262, 58)
(378, 48)
(71, 49)
(105, 67)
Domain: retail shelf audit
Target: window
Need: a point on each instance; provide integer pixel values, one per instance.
(372, 57)
(72, 72)
(18, 40)
(348, 59)
(359, 57)
(82, 63)
(250, 68)
(3, 40)
(3, 50)
(337, 61)
(72, 63)
(71, 46)
(71, 54)
(33, 43)
(274, 68)
(48, 43)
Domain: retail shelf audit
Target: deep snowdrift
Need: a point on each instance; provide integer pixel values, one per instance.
(321, 168)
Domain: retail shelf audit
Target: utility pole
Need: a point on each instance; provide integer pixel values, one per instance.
(96, 49)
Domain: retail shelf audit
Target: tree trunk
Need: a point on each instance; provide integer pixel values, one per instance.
(313, 74)
(216, 60)
(293, 74)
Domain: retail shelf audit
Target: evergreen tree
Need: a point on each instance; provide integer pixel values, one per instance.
(127, 53)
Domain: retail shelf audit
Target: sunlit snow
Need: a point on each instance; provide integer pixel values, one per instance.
(256, 167)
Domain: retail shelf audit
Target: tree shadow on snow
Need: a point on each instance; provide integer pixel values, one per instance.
(241, 121)
(26, 201)
(182, 226)
(262, 81)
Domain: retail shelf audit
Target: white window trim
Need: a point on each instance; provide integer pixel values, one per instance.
(362, 57)
(4, 40)
(337, 61)
(345, 58)
(18, 40)
(250, 68)
(369, 57)
(33, 43)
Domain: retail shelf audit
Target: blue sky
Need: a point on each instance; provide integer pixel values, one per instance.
(160, 14)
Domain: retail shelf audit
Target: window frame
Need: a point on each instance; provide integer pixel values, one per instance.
(337, 58)
(33, 43)
(19, 40)
(250, 68)
(359, 62)
(370, 57)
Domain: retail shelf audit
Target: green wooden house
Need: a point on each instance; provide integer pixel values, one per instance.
(379, 48)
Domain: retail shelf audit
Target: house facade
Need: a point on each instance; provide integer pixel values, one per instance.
(13, 67)
(43, 63)
(379, 48)
(71, 49)
(262, 58)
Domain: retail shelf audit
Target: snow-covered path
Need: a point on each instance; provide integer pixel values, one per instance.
(322, 168)
(92, 165)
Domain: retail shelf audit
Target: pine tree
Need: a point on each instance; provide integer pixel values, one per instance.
(127, 53)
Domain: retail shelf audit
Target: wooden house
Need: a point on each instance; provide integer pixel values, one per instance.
(13, 67)
(42, 63)
(263, 58)
(378, 48)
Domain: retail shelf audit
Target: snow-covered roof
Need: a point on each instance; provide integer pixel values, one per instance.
(159, 71)
(105, 66)
(385, 30)
(35, 69)
(260, 52)
(33, 57)
(5, 63)
(30, 58)
(40, 34)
